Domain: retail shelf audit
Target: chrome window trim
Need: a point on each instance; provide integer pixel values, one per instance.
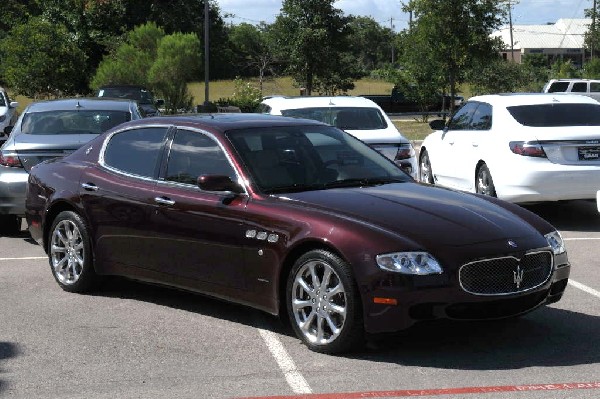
(102, 162)
(530, 252)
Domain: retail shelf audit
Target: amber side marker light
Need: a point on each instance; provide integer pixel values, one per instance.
(385, 301)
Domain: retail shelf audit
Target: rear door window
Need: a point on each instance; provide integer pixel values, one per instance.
(549, 115)
(579, 87)
(136, 151)
(482, 117)
(558, 87)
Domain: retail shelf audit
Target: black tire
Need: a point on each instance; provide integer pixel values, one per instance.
(425, 172)
(484, 184)
(10, 225)
(70, 253)
(332, 323)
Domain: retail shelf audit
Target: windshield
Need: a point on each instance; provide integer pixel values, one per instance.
(557, 114)
(302, 158)
(142, 96)
(347, 118)
(72, 122)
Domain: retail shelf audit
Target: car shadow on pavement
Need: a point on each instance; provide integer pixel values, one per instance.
(7, 350)
(118, 287)
(570, 215)
(547, 337)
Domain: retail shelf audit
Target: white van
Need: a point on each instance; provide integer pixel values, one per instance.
(586, 87)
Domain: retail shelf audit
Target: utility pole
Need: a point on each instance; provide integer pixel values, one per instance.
(512, 43)
(392, 29)
(593, 35)
(206, 52)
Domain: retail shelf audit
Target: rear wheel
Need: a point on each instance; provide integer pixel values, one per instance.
(70, 253)
(484, 184)
(324, 304)
(425, 173)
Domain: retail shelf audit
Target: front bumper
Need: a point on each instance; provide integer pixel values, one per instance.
(13, 185)
(422, 298)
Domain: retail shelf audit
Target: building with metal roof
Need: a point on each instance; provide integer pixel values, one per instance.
(562, 40)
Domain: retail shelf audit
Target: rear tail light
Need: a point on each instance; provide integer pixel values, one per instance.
(405, 151)
(527, 149)
(10, 160)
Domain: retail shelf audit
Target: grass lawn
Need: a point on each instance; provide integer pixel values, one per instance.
(412, 129)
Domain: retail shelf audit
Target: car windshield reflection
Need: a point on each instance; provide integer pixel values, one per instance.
(303, 158)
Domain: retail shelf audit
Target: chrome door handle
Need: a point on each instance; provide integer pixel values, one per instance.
(164, 201)
(89, 187)
(475, 144)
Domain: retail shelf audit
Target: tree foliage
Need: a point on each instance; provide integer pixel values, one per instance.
(40, 59)
(452, 36)
(175, 65)
(372, 45)
(312, 36)
(131, 61)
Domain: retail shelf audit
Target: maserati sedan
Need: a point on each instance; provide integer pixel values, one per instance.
(290, 216)
(518, 147)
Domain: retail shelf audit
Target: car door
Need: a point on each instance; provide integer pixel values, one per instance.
(471, 146)
(201, 232)
(448, 153)
(118, 197)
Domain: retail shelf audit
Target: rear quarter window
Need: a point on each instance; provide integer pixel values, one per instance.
(554, 115)
(136, 151)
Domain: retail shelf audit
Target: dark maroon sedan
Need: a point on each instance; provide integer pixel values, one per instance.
(290, 216)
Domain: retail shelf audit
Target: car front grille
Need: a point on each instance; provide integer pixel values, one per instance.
(506, 275)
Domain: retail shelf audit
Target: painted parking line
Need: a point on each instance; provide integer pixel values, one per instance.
(442, 391)
(584, 288)
(285, 362)
(25, 258)
(581, 239)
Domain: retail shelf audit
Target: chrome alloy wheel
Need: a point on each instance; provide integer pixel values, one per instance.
(67, 252)
(319, 302)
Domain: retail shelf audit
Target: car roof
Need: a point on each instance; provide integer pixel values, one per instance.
(515, 99)
(282, 102)
(65, 104)
(227, 121)
(123, 86)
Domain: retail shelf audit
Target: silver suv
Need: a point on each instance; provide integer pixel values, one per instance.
(586, 87)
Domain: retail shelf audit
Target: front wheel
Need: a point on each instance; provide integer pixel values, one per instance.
(324, 304)
(70, 253)
(484, 184)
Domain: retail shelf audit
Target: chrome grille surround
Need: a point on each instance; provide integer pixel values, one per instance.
(499, 276)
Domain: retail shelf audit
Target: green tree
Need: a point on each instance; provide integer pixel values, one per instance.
(372, 44)
(591, 69)
(564, 70)
(592, 36)
(175, 65)
(536, 70)
(498, 76)
(453, 36)
(313, 36)
(40, 58)
(254, 53)
(131, 61)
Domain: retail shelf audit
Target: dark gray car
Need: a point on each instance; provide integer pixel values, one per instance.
(46, 130)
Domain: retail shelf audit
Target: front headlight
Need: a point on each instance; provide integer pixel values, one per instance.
(418, 263)
(556, 242)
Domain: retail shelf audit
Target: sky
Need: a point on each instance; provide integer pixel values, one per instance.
(389, 12)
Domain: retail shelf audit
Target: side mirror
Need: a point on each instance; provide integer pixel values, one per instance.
(437, 124)
(219, 183)
(13, 104)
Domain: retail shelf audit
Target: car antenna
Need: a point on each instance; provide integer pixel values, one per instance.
(78, 105)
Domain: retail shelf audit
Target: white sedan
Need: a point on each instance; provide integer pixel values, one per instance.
(517, 147)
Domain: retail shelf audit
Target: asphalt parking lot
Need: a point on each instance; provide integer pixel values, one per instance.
(131, 340)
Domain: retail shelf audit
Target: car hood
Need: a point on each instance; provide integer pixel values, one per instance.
(427, 215)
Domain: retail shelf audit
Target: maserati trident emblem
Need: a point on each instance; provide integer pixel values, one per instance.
(518, 276)
(512, 243)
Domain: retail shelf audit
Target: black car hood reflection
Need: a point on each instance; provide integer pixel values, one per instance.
(422, 213)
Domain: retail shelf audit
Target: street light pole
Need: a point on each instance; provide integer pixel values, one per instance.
(206, 53)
